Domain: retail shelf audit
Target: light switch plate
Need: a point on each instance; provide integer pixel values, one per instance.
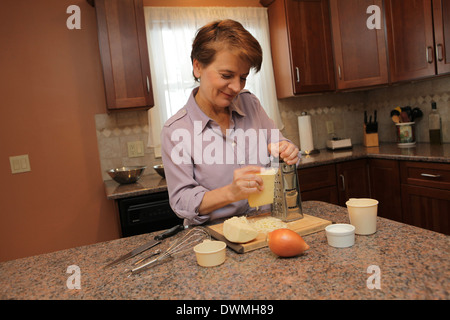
(20, 164)
(330, 127)
(135, 149)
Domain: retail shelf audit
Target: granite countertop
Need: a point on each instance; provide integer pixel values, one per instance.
(414, 264)
(421, 152)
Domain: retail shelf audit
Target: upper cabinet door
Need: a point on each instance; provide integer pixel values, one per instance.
(360, 53)
(124, 54)
(410, 36)
(300, 39)
(441, 15)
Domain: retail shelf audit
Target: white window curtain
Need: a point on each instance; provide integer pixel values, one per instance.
(170, 32)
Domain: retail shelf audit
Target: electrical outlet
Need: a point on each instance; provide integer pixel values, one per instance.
(135, 149)
(330, 127)
(20, 164)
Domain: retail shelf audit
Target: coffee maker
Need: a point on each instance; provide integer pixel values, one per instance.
(287, 204)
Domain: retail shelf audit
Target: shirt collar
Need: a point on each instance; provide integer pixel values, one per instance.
(196, 114)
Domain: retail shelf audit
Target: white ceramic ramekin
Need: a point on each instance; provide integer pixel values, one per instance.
(210, 253)
(340, 235)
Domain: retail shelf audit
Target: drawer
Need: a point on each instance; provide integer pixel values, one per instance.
(317, 177)
(434, 175)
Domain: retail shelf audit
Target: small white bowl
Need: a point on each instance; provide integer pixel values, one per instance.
(210, 253)
(340, 235)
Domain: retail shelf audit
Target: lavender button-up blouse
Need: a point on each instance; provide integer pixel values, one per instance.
(197, 156)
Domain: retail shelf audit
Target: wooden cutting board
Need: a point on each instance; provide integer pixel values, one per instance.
(305, 226)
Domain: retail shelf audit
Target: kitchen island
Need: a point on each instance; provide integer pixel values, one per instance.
(397, 262)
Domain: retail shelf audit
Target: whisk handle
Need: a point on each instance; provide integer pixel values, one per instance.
(170, 232)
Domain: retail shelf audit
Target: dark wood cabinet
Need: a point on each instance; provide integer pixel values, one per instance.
(441, 19)
(426, 195)
(301, 47)
(360, 53)
(352, 180)
(416, 193)
(318, 183)
(124, 54)
(335, 183)
(416, 39)
(385, 187)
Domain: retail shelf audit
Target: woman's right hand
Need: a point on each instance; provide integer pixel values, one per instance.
(245, 182)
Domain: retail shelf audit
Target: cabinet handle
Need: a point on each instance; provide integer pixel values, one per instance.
(440, 52)
(434, 176)
(298, 74)
(148, 85)
(429, 55)
(343, 181)
(339, 72)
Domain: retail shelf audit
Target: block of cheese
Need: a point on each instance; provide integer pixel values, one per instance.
(238, 230)
(266, 196)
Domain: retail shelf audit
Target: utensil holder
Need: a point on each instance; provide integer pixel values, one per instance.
(406, 134)
(370, 139)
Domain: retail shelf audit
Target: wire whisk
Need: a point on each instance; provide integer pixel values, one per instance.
(188, 241)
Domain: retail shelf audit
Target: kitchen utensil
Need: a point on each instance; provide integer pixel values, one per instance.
(406, 135)
(287, 204)
(307, 225)
(396, 119)
(363, 215)
(156, 240)
(160, 170)
(340, 235)
(154, 253)
(371, 126)
(126, 175)
(193, 237)
(404, 117)
(395, 113)
(210, 253)
(416, 114)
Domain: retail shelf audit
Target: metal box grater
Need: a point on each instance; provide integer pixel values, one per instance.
(287, 204)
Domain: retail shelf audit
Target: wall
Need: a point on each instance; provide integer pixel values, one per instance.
(51, 87)
(346, 110)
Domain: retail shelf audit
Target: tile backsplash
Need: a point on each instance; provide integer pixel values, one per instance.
(114, 131)
(345, 110)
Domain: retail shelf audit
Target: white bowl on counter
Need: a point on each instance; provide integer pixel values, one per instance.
(340, 235)
(210, 253)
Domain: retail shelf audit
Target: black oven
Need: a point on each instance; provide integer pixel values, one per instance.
(146, 213)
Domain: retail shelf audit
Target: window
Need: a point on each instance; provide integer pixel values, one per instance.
(170, 32)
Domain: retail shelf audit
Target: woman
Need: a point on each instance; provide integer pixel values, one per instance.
(214, 146)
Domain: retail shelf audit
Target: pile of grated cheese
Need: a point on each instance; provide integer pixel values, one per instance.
(266, 225)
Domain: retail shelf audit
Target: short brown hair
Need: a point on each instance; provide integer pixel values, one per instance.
(225, 33)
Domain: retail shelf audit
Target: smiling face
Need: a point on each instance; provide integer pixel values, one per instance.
(221, 80)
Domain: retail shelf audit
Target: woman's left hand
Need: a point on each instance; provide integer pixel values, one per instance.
(285, 150)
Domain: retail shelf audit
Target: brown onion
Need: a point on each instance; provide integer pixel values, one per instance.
(286, 243)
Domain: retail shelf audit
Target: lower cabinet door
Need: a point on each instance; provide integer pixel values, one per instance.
(427, 208)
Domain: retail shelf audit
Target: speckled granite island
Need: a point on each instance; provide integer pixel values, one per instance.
(414, 264)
